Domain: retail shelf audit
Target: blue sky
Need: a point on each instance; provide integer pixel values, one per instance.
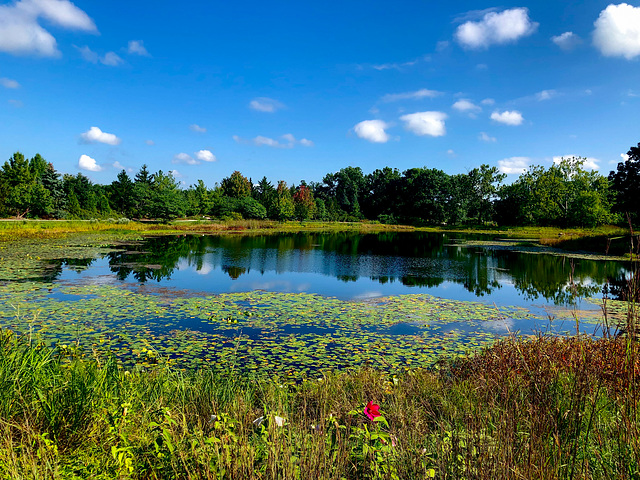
(294, 90)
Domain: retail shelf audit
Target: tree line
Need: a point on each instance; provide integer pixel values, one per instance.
(564, 194)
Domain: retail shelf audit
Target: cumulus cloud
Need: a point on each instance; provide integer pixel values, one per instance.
(9, 83)
(372, 131)
(417, 95)
(136, 47)
(487, 138)
(466, 106)
(175, 173)
(515, 165)
(624, 156)
(85, 162)
(589, 163)
(567, 41)
(425, 123)
(617, 31)
(264, 104)
(197, 128)
(95, 135)
(184, 158)
(306, 143)
(496, 28)
(20, 30)
(205, 156)
(200, 156)
(508, 117)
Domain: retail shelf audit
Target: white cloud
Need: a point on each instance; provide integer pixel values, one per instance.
(514, 165)
(617, 31)
(88, 55)
(417, 95)
(508, 117)
(9, 83)
(466, 106)
(426, 123)
(488, 101)
(117, 165)
(175, 173)
(197, 128)
(94, 134)
(111, 59)
(264, 104)
(136, 47)
(588, 164)
(442, 45)
(184, 158)
(85, 162)
(21, 33)
(567, 41)
(451, 152)
(150, 142)
(400, 66)
(205, 156)
(266, 141)
(289, 141)
(624, 156)
(16, 103)
(496, 28)
(372, 130)
(546, 95)
(487, 138)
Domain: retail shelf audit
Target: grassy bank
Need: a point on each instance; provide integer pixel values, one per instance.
(547, 408)
(44, 228)
(12, 229)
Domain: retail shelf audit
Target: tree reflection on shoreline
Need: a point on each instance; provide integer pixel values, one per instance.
(412, 258)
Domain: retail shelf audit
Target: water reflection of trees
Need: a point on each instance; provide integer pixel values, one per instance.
(414, 259)
(53, 268)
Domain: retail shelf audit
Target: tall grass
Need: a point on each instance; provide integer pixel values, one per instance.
(547, 408)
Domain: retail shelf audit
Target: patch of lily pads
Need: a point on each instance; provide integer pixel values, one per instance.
(254, 333)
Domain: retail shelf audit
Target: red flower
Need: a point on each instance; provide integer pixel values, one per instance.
(372, 411)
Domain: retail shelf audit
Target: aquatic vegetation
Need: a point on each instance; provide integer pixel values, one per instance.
(256, 333)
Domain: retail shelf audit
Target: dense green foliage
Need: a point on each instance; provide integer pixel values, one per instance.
(562, 195)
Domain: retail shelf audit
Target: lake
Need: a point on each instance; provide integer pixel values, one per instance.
(295, 303)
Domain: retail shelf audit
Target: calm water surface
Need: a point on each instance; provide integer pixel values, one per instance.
(351, 266)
